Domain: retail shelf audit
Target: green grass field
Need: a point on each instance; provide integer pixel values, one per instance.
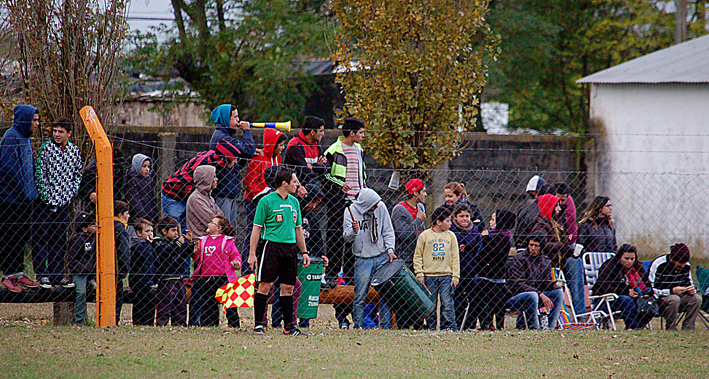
(131, 352)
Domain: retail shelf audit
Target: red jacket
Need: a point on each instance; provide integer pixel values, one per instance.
(254, 181)
(300, 153)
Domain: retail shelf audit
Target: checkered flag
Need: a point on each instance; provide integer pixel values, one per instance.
(239, 293)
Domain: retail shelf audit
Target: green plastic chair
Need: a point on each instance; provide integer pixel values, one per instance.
(703, 281)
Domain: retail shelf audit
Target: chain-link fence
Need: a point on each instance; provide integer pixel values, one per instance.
(179, 239)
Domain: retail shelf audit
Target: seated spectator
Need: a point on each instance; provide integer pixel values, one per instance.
(468, 245)
(455, 194)
(596, 231)
(530, 282)
(671, 279)
(141, 193)
(625, 276)
(573, 270)
(490, 294)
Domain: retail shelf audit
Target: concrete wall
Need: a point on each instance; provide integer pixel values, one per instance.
(652, 158)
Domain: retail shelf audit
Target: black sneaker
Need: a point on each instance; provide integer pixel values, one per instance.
(66, 283)
(259, 330)
(294, 332)
(44, 283)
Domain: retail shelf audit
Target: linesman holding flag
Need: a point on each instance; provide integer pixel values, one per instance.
(278, 226)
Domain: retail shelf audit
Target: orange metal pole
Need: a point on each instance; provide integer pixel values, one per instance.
(105, 239)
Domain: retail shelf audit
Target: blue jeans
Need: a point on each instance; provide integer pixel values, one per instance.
(528, 303)
(575, 281)
(441, 286)
(628, 312)
(176, 209)
(364, 270)
(230, 208)
(80, 308)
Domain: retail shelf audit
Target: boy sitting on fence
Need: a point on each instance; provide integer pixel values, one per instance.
(437, 265)
(171, 250)
(81, 256)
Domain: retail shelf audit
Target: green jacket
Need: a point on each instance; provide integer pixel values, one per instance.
(337, 162)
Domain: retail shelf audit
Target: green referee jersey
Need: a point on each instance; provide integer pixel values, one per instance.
(278, 218)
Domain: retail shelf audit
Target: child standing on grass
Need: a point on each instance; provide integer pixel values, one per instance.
(121, 216)
(216, 264)
(142, 274)
(437, 265)
(81, 257)
(171, 250)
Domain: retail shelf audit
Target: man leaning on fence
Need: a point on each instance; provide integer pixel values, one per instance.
(530, 283)
(17, 193)
(57, 174)
(226, 118)
(671, 279)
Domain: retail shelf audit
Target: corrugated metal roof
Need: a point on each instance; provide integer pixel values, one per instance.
(687, 62)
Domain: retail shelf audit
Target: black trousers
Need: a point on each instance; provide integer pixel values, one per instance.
(489, 300)
(143, 306)
(210, 308)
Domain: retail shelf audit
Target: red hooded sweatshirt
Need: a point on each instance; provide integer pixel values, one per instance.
(546, 205)
(254, 181)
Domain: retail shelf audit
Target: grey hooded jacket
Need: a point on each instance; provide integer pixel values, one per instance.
(376, 234)
(201, 207)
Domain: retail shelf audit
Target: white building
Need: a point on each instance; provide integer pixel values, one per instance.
(650, 120)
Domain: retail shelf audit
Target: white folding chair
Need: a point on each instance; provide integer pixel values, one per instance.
(592, 262)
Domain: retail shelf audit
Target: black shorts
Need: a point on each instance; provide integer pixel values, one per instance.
(277, 260)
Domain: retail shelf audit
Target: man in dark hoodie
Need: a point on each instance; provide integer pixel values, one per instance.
(530, 283)
(57, 175)
(141, 196)
(226, 118)
(17, 192)
(527, 212)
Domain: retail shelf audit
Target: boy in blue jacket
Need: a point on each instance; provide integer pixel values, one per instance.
(17, 193)
(171, 250)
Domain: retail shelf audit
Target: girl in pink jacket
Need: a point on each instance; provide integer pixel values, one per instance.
(216, 263)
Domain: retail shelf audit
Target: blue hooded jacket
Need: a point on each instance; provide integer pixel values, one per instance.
(17, 160)
(229, 184)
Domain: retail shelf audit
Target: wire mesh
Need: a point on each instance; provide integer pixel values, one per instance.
(169, 275)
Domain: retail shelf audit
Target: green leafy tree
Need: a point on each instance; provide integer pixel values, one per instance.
(548, 45)
(248, 53)
(416, 69)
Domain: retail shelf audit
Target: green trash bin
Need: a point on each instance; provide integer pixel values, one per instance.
(310, 277)
(408, 298)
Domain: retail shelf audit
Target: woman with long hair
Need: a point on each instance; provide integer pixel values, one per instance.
(596, 228)
(625, 276)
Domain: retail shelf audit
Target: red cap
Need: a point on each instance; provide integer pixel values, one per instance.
(414, 185)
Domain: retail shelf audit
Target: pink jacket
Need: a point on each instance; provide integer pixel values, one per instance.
(215, 257)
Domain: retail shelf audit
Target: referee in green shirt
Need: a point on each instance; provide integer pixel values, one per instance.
(278, 224)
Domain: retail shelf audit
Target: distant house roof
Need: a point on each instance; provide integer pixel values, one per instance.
(687, 62)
